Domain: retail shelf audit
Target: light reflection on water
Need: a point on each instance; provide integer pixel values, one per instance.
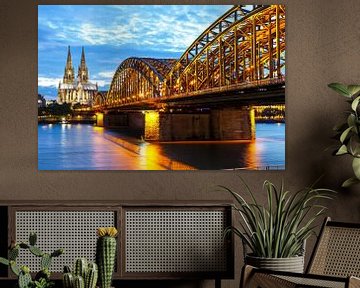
(86, 147)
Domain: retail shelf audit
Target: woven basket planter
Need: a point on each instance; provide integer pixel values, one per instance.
(291, 264)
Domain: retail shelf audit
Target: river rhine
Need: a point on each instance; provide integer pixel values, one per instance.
(86, 147)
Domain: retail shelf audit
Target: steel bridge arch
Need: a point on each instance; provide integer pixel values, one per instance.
(234, 49)
(224, 22)
(99, 100)
(243, 48)
(138, 79)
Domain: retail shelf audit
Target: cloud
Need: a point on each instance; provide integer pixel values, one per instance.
(51, 25)
(54, 82)
(103, 79)
(48, 81)
(101, 82)
(166, 27)
(106, 74)
(96, 35)
(111, 34)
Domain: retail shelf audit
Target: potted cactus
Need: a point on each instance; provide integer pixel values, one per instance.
(106, 254)
(85, 275)
(42, 278)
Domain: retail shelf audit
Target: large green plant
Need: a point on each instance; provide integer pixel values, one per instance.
(349, 131)
(279, 229)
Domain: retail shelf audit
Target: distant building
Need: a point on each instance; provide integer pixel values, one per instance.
(41, 101)
(79, 90)
(50, 102)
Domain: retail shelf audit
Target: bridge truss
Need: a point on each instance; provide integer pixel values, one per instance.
(244, 47)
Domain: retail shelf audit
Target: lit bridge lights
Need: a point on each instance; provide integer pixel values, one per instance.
(244, 48)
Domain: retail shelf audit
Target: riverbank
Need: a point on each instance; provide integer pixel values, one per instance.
(62, 120)
(72, 121)
(263, 120)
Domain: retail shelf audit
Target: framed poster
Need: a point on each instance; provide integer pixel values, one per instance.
(161, 87)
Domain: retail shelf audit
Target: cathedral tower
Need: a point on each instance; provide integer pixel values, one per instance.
(79, 90)
(69, 75)
(83, 74)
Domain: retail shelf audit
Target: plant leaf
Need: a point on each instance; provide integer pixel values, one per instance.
(349, 182)
(279, 228)
(356, 167)
(354, 145)
(14, 268)
(351, 120)
(342, 150)
(4, 261)
(340, 88)
(355, 103)
(353, 90)
(345, 134)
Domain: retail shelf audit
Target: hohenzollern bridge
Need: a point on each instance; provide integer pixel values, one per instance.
(208, 93)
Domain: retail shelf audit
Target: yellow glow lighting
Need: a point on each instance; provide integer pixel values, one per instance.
(151, 125)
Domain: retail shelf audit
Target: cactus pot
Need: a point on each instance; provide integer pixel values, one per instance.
(291, 264)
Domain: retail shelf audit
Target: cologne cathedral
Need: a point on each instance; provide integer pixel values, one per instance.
(79, 90)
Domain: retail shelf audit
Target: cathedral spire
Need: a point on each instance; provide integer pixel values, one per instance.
(83, 64)
(83, 74)
(69, 74)
(69, 61)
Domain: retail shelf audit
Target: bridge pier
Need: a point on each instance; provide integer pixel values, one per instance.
(152, 126)
(163, 126)
(233, 123)
(100, 119)
(217, 124)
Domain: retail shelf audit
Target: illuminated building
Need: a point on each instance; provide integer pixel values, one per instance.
(270, 113)
(79, 90)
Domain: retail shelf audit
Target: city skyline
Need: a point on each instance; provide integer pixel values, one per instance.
(110, 34)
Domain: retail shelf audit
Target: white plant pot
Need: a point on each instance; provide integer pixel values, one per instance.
(291, 264)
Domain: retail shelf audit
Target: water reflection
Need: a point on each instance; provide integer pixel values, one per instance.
(154, 153)
(252, 161)
(86, 147)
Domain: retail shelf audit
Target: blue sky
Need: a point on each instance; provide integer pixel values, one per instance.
(110, 34)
